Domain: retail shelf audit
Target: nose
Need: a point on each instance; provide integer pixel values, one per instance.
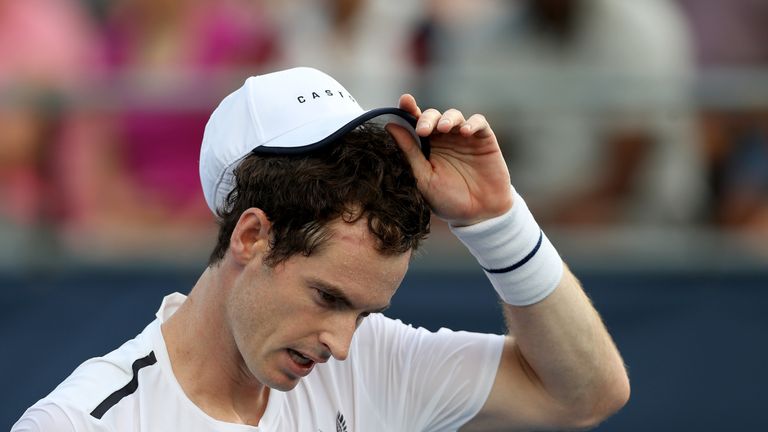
(338, 336)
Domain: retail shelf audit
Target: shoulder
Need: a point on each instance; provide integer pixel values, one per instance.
(41, 417)
(379, 331)
(383, 339)
(92, 384)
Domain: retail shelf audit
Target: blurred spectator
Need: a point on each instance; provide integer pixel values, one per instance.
(195, 37)
(732, 51)
(45, 43)
(592, 98)
(356, 41)
(48, 48)
(738, 146)
(729, 33)
(170, 62)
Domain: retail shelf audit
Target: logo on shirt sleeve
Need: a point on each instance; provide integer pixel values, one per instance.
(341, 424)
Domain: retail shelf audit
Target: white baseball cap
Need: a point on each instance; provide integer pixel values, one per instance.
(286, 112)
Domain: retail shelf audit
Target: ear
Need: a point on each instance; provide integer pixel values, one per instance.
(250, 238)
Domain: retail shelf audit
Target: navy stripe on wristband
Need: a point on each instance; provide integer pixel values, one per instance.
(522, 262)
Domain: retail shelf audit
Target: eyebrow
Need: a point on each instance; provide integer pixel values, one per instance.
(339, 294)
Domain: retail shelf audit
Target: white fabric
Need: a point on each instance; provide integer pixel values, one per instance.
(396, 378)
(289, 108)
(506, 240)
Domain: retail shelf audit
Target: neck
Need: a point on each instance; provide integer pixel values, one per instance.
(205, 359)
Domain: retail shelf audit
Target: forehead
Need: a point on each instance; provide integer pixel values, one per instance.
(355, 239)
(350, 259)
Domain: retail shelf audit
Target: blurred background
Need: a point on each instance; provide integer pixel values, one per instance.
(636, 130)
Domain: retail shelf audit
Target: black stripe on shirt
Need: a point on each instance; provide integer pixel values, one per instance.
(128, 389)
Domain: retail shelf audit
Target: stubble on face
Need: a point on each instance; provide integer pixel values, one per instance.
(271, 311)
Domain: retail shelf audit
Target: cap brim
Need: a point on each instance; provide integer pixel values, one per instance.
(383, 116)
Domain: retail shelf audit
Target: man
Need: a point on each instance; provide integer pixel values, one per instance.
(318, 217)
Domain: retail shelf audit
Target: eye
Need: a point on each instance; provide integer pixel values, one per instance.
(326, 298)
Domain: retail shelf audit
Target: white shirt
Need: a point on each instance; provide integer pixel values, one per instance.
(396, 378)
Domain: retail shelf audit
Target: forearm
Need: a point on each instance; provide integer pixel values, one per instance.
(568, 350)
(558, 348)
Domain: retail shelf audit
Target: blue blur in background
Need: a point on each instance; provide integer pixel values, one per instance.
(695, 345)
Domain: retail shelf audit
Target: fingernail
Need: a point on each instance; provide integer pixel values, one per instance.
(424, 125)
(445, 121)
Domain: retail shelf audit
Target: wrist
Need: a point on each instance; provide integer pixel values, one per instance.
(518, 258)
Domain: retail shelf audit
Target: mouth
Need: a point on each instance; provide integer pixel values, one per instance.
(303, 362)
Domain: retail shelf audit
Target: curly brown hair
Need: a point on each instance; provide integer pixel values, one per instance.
(362, 174)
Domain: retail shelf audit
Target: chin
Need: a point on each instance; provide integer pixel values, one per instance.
(277, 380)
(284, 387)
(282, 384)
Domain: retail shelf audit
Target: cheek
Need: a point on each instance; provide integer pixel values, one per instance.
(268, 316)
(247, 318)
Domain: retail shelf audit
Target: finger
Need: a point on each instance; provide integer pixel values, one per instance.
(476, 125)
(427, 122)
(450, 119)
(408, 103)
(421, 167)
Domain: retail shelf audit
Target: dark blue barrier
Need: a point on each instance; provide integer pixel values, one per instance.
(696, 346)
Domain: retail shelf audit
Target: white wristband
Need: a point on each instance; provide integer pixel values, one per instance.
(517, 257)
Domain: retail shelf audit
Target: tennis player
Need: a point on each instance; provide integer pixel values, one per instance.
(320, 206)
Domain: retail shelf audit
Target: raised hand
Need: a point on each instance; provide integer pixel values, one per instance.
(465, 179)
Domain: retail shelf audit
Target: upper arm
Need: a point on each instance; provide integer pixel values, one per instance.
(517, 400)
(44, 418)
